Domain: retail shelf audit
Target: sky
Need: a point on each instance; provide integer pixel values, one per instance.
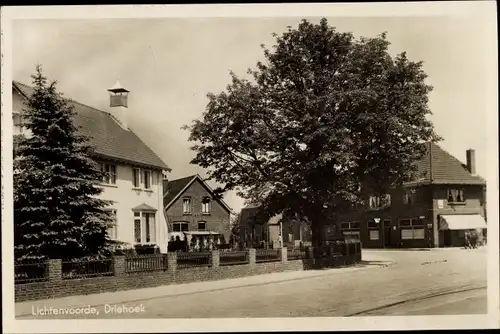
(170, 64)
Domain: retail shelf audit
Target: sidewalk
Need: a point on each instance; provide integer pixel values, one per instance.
(443, 249)
(24, 308)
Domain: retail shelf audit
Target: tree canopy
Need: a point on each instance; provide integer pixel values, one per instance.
(321, 118)
(57, 213)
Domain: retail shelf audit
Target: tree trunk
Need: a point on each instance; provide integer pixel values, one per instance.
(318, 232)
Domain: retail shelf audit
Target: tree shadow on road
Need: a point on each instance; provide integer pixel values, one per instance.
(327, 263)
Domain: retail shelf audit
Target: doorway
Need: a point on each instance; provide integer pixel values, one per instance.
(447, 238)
(387, 237)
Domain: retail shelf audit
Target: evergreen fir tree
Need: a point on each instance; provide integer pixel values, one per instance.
(57, 213)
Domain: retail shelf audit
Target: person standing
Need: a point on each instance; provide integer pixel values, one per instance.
(467, 240)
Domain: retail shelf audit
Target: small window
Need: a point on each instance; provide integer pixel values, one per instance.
(412, 234)
(409, 197)
(180, 227)
(351, 235)
(405, 222)
(186, 205)
(137, 230)
(109, 171)
(137, 178)
(202, 226)
(374, 235)
(18, 124)
(147, 179)
(379, 202)
(144, 227)
(344, 226)
(456, 196)
(205, 205)
(112, 230)
(372, 224)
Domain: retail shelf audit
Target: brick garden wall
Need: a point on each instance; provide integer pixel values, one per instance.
(57, 287)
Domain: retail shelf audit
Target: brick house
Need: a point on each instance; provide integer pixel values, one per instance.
(134, 172)
(433, 211)
(275, 232)
(194, 213)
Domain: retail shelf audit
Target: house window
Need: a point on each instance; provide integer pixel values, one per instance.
(374, 234)
(147, 179)
(180, 227)
(412, 229)
(379, 202)
(350, 230)
(205, 205)
(136, 177)
(409, 197)
(137, 227)
(456, 196)
(186, 205)
(112, 231)
(202, 226)
(144, 227)
(373, 230)
(18, 123)
(109, 171)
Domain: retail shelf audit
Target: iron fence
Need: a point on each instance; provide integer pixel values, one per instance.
(143, 263)
(30, 271)
(74, 269)
(296, 254)
(267, 255)
(233, 258)
(194, 259)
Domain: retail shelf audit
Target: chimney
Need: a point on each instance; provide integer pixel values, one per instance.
(471, 161)
(118, 101)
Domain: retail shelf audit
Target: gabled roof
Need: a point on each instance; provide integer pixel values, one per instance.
(444, 168)
(106, 136)
(174, 189)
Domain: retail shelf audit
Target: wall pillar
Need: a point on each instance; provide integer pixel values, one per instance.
(54, 270)
(172, 262)
(215, 258)
(284, 255)
(119, 265)
(252, 256)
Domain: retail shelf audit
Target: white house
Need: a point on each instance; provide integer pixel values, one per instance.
(134, 172)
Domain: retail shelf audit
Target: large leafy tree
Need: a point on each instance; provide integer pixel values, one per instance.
(57, 213)
(325, 117)
(235, 236)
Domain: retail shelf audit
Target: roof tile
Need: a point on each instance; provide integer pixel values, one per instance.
(172, 188)
(446, 169)
(106, 136)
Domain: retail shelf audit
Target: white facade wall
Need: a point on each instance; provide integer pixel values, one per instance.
(125, 197)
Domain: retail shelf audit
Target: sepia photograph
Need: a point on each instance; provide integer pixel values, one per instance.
(285, 167)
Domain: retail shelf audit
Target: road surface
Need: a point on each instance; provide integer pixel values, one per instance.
(436, 282)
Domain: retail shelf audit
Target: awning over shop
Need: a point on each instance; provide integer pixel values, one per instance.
(461, 222)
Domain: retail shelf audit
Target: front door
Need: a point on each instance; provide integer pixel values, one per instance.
(448, 238)
(387, 236)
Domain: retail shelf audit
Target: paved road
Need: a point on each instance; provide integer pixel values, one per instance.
(456, 278)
